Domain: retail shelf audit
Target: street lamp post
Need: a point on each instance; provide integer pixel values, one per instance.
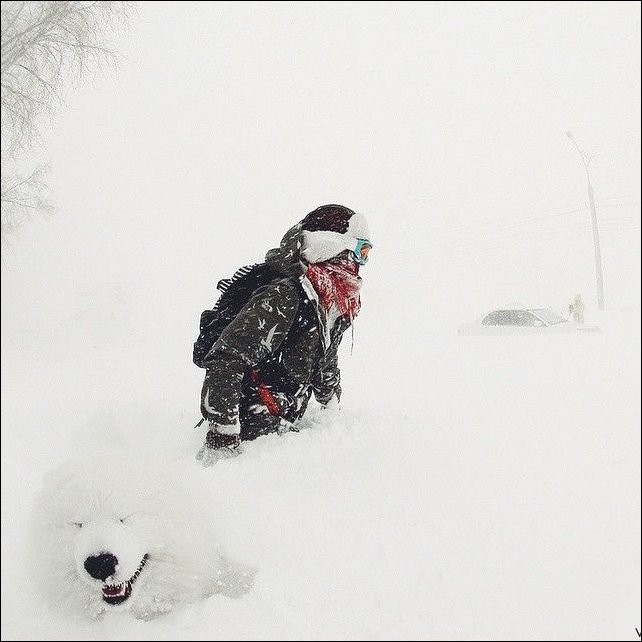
(599, 275)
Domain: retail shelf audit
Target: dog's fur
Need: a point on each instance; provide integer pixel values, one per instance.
(166, 555)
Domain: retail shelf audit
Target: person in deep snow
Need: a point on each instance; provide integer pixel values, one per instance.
(282, 345)
(576, 309)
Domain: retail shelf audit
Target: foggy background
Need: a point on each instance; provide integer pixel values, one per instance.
(444, 123)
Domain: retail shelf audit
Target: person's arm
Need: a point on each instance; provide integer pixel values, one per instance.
(326, 382)
(256, 332)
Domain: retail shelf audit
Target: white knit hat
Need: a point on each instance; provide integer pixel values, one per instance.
(330, 230)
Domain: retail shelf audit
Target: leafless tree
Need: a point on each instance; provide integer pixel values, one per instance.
(42, 44)
(22, 195)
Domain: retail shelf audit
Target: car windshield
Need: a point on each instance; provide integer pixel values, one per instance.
(551, 318)
(522, 318)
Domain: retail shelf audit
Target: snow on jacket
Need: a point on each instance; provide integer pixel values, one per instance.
(282, 334)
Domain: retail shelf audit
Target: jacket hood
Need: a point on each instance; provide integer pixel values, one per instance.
(287, 257)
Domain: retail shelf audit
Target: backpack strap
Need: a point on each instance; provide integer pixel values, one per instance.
(224, 284)
(266, 396)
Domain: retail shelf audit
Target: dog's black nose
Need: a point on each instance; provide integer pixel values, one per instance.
(101, 566)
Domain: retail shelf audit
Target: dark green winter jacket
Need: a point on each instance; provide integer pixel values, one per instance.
(281, 335)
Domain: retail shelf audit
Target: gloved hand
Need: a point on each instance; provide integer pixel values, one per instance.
(332, 404)
(323, 414)
(221, 442)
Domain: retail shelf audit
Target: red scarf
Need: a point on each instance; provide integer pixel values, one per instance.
(337, 282)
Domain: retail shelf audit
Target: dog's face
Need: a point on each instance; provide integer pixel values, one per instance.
(101, 538)
(110, 552)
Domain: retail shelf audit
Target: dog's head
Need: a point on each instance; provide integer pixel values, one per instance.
(114, 534)
(110, 552)
(110, 537)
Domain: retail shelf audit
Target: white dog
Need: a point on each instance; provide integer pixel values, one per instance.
(117, 536)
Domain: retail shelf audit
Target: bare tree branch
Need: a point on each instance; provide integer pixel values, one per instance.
(42, 43)
(20, 197)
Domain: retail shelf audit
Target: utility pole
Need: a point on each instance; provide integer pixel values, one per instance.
(599, 276)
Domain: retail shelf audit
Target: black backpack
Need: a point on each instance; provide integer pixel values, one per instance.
(236, 292)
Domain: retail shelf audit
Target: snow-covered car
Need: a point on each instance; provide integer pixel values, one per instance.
(524, 321)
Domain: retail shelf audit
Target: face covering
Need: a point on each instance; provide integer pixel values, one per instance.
(337, 282)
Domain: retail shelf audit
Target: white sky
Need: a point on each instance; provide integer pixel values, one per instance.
(443, 122)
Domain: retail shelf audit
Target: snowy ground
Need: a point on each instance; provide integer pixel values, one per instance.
(471, 487)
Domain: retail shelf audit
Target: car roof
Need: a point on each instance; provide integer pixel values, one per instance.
(515, 310)
(518, 310)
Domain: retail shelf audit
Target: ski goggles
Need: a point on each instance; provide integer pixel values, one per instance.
(360, 251)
